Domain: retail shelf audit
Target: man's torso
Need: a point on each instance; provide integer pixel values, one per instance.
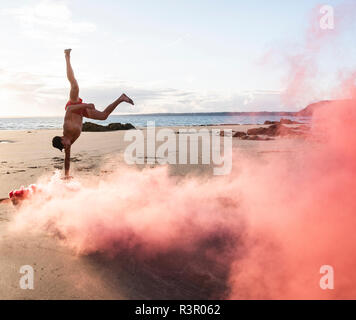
(72, 127)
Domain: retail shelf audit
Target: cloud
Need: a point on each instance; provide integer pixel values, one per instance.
(19, 90)
(20, 82)
(48, 98)
(165, 100)
(179, 40)
(49, 20)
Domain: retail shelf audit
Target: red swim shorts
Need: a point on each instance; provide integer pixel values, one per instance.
(70, 103)
(83, 113)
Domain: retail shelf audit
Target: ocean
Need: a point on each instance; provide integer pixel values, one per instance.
(161, 120)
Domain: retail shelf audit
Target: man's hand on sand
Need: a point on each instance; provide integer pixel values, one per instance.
(125, 98)
(67, 178)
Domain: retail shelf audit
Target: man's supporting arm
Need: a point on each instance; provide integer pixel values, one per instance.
(67, 161)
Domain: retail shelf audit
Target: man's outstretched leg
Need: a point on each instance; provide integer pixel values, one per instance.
(74, 88)
(103, 115)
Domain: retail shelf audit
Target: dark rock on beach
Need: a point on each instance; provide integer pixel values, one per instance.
(235, 134)
(288, 121)
(93, 127)
(255, 138)
(282, 121)
(261, 130)
(273, 130)
(239, 134)
(270, 122)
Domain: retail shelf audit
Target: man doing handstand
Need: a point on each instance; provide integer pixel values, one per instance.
(75, 111)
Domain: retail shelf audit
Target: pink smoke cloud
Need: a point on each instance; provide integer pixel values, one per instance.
(308, 213)
(306, 71)
(284, 218)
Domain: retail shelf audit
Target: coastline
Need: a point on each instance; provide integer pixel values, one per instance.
(160, 120)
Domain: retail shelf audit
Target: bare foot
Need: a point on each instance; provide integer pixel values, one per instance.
(125, 98)
(67, 52)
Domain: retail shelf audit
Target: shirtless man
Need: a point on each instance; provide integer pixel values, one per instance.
(75, 111)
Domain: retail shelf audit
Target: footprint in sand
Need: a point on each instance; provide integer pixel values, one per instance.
(74, 159)
(87, 168)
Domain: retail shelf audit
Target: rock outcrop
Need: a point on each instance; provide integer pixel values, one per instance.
(239, 134)
(255, 138)
(274, 130)
(282, 121)
(310, 109)
(93, 127)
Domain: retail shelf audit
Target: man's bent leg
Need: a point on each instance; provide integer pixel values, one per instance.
(103, 115)
(95, 114)
(74, 87)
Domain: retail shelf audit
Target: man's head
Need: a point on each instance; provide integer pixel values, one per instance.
(57, 143)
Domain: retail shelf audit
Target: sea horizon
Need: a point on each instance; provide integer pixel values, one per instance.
(160, 119)
(172, 113)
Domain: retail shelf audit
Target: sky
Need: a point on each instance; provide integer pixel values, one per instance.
(169, 56)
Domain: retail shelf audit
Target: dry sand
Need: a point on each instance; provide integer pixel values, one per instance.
(59, 273)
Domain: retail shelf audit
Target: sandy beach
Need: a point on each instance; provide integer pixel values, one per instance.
(60, 272)
(27, 155)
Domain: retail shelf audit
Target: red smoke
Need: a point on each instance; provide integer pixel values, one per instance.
(286, 217)
(303, 216)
